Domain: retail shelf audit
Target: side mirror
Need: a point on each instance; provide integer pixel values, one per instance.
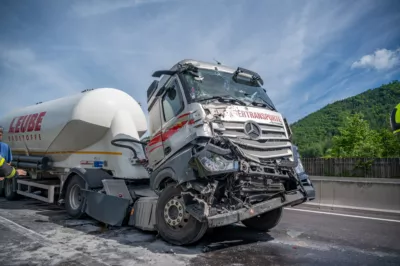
(171, 93)
(152, 88)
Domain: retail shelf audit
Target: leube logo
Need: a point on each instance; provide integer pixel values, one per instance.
(31, 123)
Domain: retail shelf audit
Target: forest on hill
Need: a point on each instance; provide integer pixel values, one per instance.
(357, 126)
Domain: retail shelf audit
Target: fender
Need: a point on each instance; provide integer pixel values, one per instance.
(92, 177)
(177, 168)
(164, 174)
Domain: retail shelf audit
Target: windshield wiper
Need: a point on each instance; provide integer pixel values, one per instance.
(264, 102)
(223, 98)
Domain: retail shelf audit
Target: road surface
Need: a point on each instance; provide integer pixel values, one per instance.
(35, 233)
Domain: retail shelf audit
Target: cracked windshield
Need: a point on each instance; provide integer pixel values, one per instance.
(206, 84)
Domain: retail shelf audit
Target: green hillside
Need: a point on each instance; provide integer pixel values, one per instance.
(313, 134)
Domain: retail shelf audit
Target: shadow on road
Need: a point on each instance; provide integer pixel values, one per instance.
(215, 239)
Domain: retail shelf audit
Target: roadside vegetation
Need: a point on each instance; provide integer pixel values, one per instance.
(356, 127)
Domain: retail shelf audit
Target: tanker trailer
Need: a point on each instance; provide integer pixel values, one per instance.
(64, 142)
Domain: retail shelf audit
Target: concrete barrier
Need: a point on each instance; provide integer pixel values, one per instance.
(365, 195)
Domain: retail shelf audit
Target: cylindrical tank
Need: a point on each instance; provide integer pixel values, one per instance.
(69, 123)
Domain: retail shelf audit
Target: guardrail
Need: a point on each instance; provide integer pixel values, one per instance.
(366, 195)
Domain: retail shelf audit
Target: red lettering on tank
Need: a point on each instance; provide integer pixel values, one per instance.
(39, 121)
(18, 125)
(24, 125)
(11, 129)
(32, 122)
(27, 123)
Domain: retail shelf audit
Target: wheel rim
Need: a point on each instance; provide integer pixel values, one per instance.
(75, 197)
(175, 214)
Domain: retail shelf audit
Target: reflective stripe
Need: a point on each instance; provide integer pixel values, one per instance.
(12, 173)
(2, 160)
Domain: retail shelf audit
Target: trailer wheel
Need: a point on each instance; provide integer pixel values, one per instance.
(265, 221)
(174, 224)
(8, 189)
(74, 197)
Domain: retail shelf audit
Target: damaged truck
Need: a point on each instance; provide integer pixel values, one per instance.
(218, 153)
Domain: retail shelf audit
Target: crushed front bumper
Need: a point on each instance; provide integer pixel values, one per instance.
(290, 199)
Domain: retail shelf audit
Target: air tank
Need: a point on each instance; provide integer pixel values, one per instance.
(69, 124)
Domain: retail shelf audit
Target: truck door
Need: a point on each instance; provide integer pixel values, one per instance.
(172, 107)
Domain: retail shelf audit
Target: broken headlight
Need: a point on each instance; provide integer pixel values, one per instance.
(216, 163)
(209, 163)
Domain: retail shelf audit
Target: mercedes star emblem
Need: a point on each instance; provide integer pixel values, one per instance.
(252, 130)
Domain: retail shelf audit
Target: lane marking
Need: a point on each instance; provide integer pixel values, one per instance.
(62, 248)
(346, 215)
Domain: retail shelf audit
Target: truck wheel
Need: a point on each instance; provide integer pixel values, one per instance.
(265, 221)
(74, 197)
(8, 190)
(174, 224)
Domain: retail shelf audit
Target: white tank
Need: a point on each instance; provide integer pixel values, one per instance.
(76, 131)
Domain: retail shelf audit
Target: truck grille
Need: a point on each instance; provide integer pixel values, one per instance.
(273, 142)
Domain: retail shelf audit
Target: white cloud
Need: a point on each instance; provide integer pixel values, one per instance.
(381, 59)
(119, 44)
(33, 79)
(101, 7)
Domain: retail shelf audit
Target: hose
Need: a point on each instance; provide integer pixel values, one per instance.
(113, 142)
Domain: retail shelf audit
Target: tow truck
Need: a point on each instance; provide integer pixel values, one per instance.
(217, 153)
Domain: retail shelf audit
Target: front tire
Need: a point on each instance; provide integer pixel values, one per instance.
(174, 224)
(265, 221)
(8, 189)
(74, 197)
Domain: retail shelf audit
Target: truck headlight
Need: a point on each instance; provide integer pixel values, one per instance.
(216, 163)
(209, 163)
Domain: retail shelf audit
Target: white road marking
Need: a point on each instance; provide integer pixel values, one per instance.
(345, 215)
(61, 249)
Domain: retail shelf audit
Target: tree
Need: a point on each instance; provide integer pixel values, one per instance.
(390, 143)
(356, 139)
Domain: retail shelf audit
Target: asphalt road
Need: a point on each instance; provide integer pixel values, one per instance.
(35, 233)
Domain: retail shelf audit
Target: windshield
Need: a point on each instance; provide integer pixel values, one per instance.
(207, 83)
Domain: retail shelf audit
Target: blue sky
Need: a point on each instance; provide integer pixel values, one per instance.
(309, 53)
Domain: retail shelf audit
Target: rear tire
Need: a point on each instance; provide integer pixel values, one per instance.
(174, 224)
(8, 189)
(74, 197)
(265, 221)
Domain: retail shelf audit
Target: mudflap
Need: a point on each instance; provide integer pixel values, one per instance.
(143, 214)
(108, 209)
